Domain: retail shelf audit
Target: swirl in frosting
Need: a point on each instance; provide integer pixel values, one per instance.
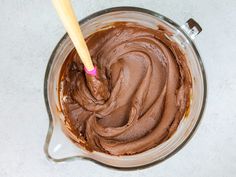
(147, 93)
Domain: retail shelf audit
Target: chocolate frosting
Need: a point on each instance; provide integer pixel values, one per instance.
(139, 97)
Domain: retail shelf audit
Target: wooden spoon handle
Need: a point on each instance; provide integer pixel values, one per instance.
(68, 18)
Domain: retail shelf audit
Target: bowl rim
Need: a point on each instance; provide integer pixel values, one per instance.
(48, 68)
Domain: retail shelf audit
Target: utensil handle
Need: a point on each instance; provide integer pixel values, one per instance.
(68, 18)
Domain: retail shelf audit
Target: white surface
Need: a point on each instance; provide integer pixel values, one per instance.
(29, 30)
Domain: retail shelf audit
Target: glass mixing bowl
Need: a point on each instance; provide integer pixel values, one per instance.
(60, 144)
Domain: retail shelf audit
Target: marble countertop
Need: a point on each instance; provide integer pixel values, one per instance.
(29, 30)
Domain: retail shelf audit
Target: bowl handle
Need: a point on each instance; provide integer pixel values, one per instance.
(192, 28)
